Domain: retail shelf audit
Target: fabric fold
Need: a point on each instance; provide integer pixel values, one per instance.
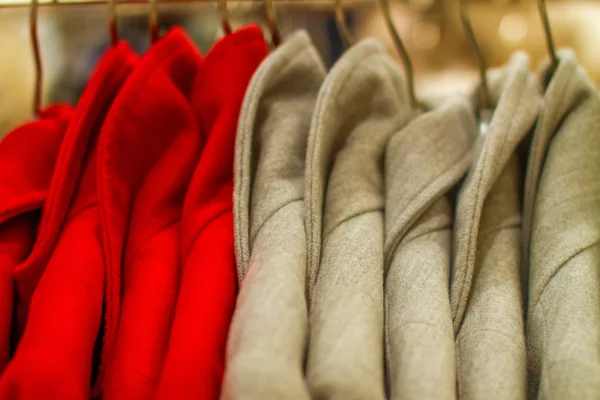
(111, 71)
(423, 162)
(562, 239)
(25, 174)
(485, 296)
(25, 170)
(60, 284)
(361, 104)
(267, 339)
(147, 168)
(195, 357)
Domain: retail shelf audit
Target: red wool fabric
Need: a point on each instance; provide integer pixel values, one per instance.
(110, 72)
(161, 133)
(27, 158)
(195, 359)
(65, 281)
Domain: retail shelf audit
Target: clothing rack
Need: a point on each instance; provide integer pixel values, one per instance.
(339, 7)
(325, 4)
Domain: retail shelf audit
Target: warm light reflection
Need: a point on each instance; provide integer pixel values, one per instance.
(513, 28)
(426, 35)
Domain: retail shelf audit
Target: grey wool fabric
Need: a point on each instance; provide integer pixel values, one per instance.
(423, 162)
(361, 104)
(562, 240)
(486, 295)
(267, 339)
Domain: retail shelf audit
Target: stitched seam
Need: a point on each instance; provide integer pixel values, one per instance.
(455, 166)
(285, 67)
(560, 267)
(477, 196)
(486, 234)
(545, 351)
(332, 93)
(248, 38)
(103, 162)
(115, 74)
(111, 310)
(84, 209)
(245, 122)
(352, 216)
(459, 368)
(480, 331)
(429, 231)
(102, 367)
(104, 157)
(282, 206)
(538, 162)
(197, 236)
(529, 214)
(61, 163)
(57, 180)
(318, 135)
(246, 144)
(388, 347)
(163, 228)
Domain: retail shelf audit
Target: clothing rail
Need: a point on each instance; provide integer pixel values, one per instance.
(326, 4)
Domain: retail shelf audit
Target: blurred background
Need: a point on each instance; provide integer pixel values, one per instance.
(74, 36)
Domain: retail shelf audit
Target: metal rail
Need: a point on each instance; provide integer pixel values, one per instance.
(328, 4)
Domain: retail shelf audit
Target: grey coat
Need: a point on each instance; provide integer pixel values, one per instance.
(486, 297)
(562, 239)
(423, 162)
(360, 106)
(267, 339)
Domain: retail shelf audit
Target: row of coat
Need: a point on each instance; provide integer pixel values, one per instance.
(248, 225)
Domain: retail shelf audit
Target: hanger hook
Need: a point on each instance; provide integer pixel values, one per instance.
(112, 22)
(466, 22)
(225, 24)
(541, 5)
(340, 21)
(272, 22)
(387, 15)
(37, 57)
(154, 28)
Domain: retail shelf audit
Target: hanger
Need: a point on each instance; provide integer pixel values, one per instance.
(486, 102)
(272, 22)
(225, 24)
(154, 28)
(270, 14)
(112, 22)
(37, 57)
(340, 21)
(387, 16)
(541, 5)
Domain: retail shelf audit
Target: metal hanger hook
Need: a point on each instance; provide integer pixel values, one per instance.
(225, 24)
(37, 57)
(154, 27)
(543, 11)
(272, 22)
(408, 67)
(481, 61)
(340, 21)
(112, 22)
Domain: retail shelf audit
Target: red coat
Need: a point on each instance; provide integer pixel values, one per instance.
(152, 147)
(64, 276)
